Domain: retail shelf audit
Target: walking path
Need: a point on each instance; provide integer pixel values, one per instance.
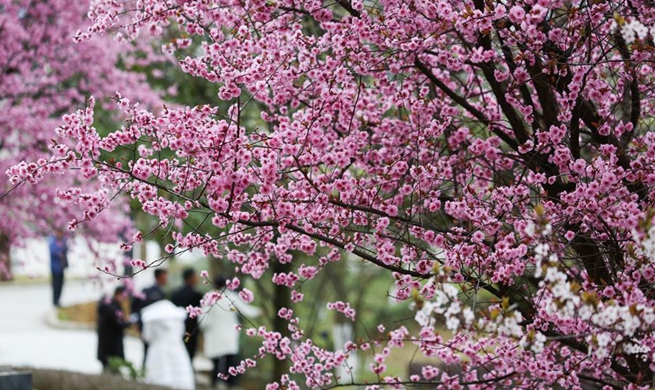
(26, 339)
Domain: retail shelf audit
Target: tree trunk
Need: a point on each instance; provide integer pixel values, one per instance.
(342, 328)
(281, 298)
(5, 259)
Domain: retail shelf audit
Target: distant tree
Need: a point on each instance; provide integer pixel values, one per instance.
(474, 150)
(43, 75)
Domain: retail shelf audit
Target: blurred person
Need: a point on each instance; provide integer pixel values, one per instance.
(58, 263)
(221, 336)
(156, 292)
(168, 362)
(185, 296)
(111, 326)
(149, 296)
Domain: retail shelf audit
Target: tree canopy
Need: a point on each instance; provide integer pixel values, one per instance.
(495, 158)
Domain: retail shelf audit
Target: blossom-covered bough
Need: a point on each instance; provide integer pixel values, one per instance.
(476, 150)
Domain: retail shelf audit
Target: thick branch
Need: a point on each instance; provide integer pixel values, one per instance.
(575, 132)
(498, 89)
(593, 260)
(592, 120)
(544, 89)
(462, 102)
(345, 4)
(635, 96)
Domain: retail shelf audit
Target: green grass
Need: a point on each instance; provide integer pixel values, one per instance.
(62, 315)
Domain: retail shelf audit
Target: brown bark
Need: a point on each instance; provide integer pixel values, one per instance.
(281, 298)
(5, 259)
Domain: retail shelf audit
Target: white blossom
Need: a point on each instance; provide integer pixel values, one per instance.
(538, 343)
(530, 229)
(548, 228)
(633, 29)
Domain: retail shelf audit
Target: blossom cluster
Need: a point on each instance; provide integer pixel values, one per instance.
(632, 30)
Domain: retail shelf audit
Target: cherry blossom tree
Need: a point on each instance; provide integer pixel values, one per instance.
(495, 158)
(44, 74)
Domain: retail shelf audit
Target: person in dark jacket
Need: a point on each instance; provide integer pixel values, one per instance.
(155, 292)
(189, 296)
(150, 295)
(58, 263)
(111, 326)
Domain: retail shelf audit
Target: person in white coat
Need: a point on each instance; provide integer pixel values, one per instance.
(168, 362)
(221, 335)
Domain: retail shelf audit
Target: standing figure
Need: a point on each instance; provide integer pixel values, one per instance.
(219, 326)
(155, 292)
(111, 326)
(189, 296)
(150, 295)
(58, 263)
(167, 363)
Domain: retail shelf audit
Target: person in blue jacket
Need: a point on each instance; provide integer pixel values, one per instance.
(58, 263)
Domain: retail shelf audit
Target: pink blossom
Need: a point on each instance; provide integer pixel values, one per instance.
(516, 14)
(193, 311)
(246, 295)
